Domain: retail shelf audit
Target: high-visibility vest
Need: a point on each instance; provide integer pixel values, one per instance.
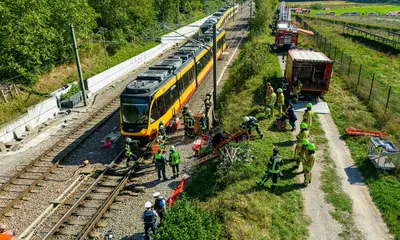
(158, 158)
(149, 216)
(272, 99)
(275, 164)
(309, 161)
(190, 122)
(175, 158)
(302, 135)
(307, 117)
(128, 151)
(281, 99)
(203, 123)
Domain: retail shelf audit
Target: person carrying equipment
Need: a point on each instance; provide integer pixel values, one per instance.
(296, 91)
(185, 115)
(203, 124)
(174, 160)
(251, 123)
(160, 205)
(129, 155)
(160, 162)
(303, 134)
(308, 115)
(6, 234)
(149, 219)
(162, 131)
(271, 103)
(280, 101)
(190, 125)
(274, 164)
(309, 160)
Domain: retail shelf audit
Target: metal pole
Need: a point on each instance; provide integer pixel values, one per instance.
(359, 75)
(387, 101)
(341, 61)
(104, 45)
(215, 66)
(372, 85)
(78, 64)
(348, 72)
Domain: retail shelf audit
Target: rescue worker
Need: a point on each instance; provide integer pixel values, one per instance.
(129, 155)
(296, 91)
(274, 164)
(190, 125)
(309, 163)
(207, 103)
(280, 101)
(160, 162)
(160, 205)
(269, 91)
(291, 115)
(6, 234)
(161, 131)
(271, 103)
(303, 134)
(308, 115)
(174, 160)
(149, 219)
(203, 124)
(185, 115)
(250, 123)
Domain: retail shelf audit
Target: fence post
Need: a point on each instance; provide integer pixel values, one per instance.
(359, 75)
(325, 45)
(387, 101)
(341, 61)
(330, 46)
(372, 85)
(348, 72)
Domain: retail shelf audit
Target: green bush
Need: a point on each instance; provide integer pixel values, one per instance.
(74, 89)
(316, 6)
(186, 221)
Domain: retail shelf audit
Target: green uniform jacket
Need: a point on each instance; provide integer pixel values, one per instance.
(281, 99)
(174, 158)
(274, 164)
(302, 135)
(309, 161)
(307, 117)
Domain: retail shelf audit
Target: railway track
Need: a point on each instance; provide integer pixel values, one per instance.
(29, 177)
(76, 217)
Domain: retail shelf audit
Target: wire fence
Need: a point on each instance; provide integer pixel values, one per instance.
(381, 97)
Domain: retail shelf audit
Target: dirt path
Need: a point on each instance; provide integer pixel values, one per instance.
(322, 226)
(367, 217)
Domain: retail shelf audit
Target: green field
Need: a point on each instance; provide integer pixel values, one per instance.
(381, 9)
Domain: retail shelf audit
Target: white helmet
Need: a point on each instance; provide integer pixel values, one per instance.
(246, 119)
(279, 90)
(268, 110)
(172, 148)
(147, 205)
(156, 194)
(128, 140)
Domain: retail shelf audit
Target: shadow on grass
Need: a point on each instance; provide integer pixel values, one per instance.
(374, 44)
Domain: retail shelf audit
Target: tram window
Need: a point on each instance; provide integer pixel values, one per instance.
(180, 88)
(174, 93)
(167, 98)
(186, 80)
(191, 74)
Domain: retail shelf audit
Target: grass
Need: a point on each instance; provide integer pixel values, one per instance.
(93, 62)
(349, 111)
(382, 9)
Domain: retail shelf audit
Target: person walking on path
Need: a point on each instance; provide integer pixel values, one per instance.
(160, 205)
(149, 219)
(274, 171)
(174, 160)
(308, 115)
(303, 135)
(160, 162)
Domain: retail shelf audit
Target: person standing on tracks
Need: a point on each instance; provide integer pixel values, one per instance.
(129, 155)
(149, 218)
(303, 134)
(203, 124)
(308, 115)
(174, 160)
(160, 162)
(280, 101)
(309, 160)
(250, 123)
(160, 205)
(6, 234)
(274, 164)
(190, 125)
(207, 107)
(185, 115)
(161, 131)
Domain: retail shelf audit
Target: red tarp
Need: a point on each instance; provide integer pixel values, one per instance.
(174, 197)
(306, 31)
(359, 132)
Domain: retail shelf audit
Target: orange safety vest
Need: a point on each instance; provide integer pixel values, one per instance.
(7, 235)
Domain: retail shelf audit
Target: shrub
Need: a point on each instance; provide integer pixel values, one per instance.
(74, 89)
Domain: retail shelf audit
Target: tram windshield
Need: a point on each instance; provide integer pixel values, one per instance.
(135, 111)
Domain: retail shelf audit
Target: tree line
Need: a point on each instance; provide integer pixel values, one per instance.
(35, 34)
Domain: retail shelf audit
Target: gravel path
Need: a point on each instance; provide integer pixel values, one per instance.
(367, 217)
(125, 220)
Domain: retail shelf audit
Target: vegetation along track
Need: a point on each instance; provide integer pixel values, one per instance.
(21, 184)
